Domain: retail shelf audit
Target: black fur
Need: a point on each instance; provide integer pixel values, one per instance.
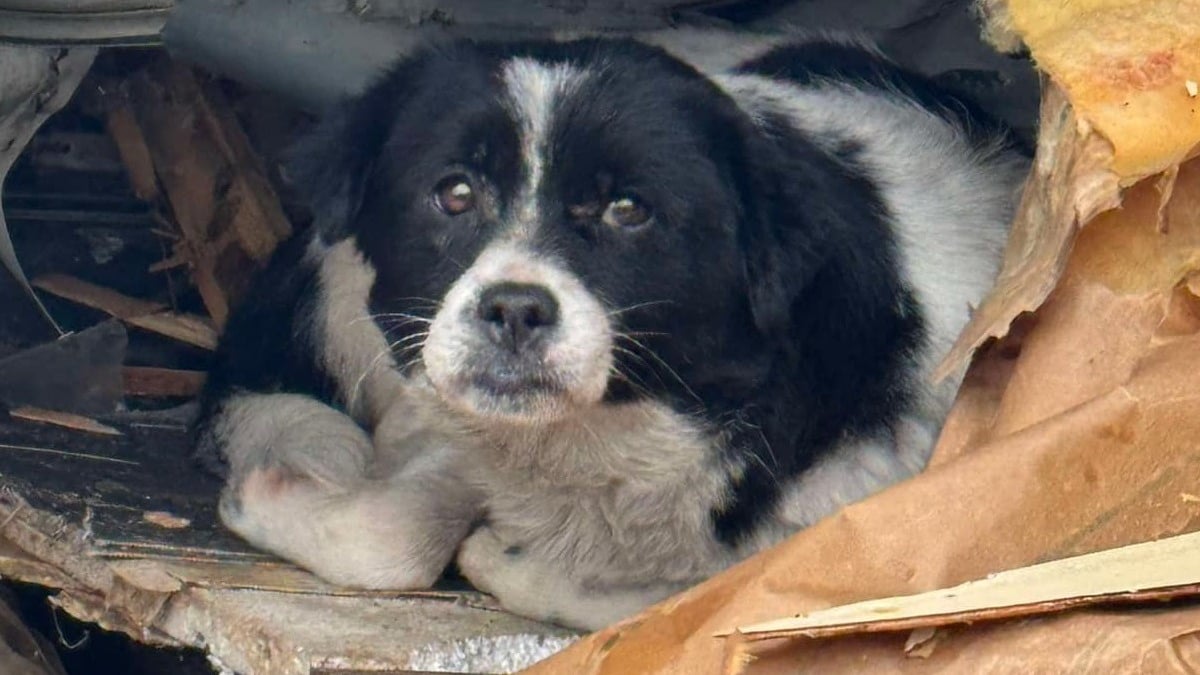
(268, 345)
(812, 62)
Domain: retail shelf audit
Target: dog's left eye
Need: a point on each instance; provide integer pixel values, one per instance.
(454, 195)
(626, 212)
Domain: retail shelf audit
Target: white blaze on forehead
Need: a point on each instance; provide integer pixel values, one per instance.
(533, 89)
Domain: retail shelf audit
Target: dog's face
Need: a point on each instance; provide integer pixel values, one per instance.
(550, 230)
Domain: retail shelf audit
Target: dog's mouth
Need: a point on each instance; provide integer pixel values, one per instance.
(510, 382)
(520, 394)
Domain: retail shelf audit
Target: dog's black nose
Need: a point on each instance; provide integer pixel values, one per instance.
(515, 315)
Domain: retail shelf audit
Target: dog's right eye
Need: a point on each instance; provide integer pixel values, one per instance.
(454, 195)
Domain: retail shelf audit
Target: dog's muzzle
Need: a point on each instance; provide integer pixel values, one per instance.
(519, 338)
(519, 321)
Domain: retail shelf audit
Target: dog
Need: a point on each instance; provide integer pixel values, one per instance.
(598, 318)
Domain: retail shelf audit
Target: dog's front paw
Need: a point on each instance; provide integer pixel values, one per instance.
(489, 563)
(260, 504)
(521, 582)
(368, 538)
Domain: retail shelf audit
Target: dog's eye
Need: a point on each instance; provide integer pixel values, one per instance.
(626, 212)
(454, 195)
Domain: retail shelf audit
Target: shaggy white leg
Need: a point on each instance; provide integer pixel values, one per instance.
(542, 590)
(299, 487)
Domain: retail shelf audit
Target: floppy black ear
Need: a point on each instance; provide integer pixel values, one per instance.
(331, 165)
(787, 220)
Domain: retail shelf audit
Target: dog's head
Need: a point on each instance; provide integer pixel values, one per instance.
(558, 225)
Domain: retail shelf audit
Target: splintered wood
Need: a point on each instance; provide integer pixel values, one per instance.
(152, 316)
(1157, 570)
(179, 138)
(63, 419)
(169, 382)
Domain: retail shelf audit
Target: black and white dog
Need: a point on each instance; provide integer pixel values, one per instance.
(599, 318)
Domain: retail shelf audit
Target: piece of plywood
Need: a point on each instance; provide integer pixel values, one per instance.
(62, 419)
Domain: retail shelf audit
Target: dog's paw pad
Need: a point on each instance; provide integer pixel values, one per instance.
(269, 483)
(261, 496)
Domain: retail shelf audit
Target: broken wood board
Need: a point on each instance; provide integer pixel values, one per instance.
(1157, 570)
(165, 382)
(85, 515)
(63, 419)
(147, 315)
(177, 131)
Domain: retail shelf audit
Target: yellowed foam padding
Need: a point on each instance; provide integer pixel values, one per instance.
(1125, 65)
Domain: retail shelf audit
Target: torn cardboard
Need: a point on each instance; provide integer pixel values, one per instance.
(1124, 66)
(1069, 184)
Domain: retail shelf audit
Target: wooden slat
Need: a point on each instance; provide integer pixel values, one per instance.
(63, 419)
(145, 381)
(190, 328)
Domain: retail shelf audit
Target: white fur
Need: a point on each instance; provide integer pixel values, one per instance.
(950, 203)
(579, 356)
(358, 354)
(854, 471)
(532, 90)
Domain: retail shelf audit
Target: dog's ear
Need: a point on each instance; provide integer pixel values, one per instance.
(787, 220)
(330, 166)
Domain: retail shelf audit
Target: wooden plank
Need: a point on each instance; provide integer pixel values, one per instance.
(190, 328)
(168, 382)
(135, 154)
(1157, 570)
(91, 295)
(194, 330)
(63, 419)
(64, 512)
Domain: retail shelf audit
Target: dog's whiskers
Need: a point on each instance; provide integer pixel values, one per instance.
(658, 359)
(409, 338)
(416, 339)
(629, 378)
(394, 319)
(640, 305)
